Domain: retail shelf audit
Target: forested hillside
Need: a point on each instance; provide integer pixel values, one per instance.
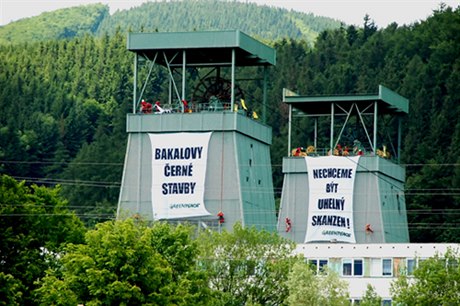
(264, 22)
(64, 104)
(59, 24)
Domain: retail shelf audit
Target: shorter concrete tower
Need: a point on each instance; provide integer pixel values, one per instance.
(349, 188)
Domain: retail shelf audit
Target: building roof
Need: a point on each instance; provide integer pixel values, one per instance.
(389, 102)
(378, 250)
(209, 48)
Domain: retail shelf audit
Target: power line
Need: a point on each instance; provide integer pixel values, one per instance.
(252, 189)
(443, 212)
(58, 162)
(68, 182)
(254, 165)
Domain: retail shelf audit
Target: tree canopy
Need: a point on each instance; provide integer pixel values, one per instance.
(435, 282)
(35, 222)
(128, 263)
(246, 265)
(307, 288)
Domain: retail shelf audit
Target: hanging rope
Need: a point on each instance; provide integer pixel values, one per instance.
(222, 156)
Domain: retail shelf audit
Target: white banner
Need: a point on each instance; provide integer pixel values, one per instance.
(179, 163)
(330, 207)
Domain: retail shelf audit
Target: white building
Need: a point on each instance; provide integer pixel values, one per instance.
(375, 264)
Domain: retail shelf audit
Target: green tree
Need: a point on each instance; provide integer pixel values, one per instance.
(435, 282)
(371, 298)
(246, 265)
(307, 288)
(11, 290)
(34, 222)
(128, 263)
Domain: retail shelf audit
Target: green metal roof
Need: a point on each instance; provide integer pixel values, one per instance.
(203, 48)
(389, 102)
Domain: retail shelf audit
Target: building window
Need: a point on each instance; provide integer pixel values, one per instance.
(452, 264)
(313, 264)
(322, 264)
(414, 263)
(355, 302)
(318, 265)
(386, 303)
(410, 266)
(346, 267)
(387, 267)
(358, 267)
(352, 267)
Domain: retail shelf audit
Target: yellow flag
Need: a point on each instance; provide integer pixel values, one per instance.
(254, 115)
(243, 105)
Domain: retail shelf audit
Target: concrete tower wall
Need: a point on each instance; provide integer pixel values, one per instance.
(238, 173)
(378, 200)
(255, 175)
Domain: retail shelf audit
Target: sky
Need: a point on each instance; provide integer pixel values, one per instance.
(382, 12)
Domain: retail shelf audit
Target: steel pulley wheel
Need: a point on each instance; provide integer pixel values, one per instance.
(215, 87)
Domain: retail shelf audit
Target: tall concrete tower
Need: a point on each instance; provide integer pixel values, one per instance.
(202, 156)
(347, 184)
